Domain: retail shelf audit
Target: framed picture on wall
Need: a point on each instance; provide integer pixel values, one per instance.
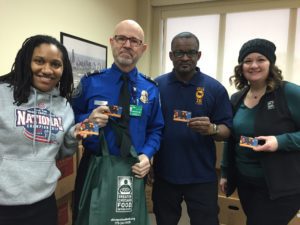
(85, 55)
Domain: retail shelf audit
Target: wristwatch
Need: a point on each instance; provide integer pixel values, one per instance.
(215, 129)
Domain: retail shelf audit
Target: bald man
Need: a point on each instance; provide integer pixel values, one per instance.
(145, 124)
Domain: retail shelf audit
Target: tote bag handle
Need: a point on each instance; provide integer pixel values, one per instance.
(122, 140)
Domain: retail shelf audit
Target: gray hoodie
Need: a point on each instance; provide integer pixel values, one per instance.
(32, 135)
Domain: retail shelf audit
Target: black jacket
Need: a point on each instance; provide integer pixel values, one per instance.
(281, 168)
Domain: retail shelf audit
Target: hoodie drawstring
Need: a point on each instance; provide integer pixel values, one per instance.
(50, 120)
(34, 123)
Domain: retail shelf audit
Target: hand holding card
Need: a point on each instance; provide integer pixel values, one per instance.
(248, 142)
(182, 116)
(114, 111)
(88, 128)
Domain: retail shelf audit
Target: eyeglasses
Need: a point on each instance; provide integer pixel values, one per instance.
(134, 42)
(180, 54)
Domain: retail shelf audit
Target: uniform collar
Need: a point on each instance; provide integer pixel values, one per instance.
(132, 74)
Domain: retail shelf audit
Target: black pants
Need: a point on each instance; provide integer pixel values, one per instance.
(40, 213)
(260, 209)
(201, 201)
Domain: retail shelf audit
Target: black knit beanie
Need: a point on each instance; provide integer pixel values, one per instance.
(262, 46)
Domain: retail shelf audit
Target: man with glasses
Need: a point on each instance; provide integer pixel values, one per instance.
(98, 91)
(184, 167)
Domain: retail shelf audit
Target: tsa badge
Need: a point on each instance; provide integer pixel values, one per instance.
(248, 142)
(182, 116)
(199, 95)
(144, 96)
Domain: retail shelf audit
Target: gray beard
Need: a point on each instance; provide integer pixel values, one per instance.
(124, 61)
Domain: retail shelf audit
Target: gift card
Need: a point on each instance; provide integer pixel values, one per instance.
(89, 128)
(248, 142)
(114, 111)
(182, 116)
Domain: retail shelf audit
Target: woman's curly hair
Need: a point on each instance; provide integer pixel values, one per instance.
(273, 81)
(20, 76)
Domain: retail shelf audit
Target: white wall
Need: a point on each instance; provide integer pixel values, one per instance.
(93, 20)
(164, 9)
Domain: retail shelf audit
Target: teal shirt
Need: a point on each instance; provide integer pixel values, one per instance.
(247, 160)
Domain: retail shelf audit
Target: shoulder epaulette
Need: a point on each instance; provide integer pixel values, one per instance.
(149, 79)
(93, 72)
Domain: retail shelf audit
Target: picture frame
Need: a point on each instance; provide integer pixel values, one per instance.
(85, 56)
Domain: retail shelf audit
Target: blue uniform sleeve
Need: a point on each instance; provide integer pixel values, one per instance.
(79, 102)
(154, 128)
(223, 110)
(82, 107)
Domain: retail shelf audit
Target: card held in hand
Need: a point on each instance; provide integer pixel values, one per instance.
(88, 128)
(182, 116)
(114, 111)
(248, 142)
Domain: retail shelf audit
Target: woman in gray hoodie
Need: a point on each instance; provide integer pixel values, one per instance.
(36, 127)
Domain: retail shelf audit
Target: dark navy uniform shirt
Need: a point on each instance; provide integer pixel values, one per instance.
(186, 156)
(105, 86)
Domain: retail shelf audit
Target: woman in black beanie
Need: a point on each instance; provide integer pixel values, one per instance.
(265, 169)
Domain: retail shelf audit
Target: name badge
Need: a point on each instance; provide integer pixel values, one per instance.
(135, 110)
(99, 102)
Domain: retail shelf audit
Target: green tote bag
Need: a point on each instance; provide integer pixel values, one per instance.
(111, 194)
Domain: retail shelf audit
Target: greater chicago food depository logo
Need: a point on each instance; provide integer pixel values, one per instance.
(124, 201)
(37, 123)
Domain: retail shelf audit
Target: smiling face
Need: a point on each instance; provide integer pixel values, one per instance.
(126, 51)
(256, 67)
(46, 66)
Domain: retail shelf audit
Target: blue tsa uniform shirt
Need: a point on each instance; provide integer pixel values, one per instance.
(145, 129)
(186, 156)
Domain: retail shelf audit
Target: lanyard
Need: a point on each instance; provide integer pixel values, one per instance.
(133, 92)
